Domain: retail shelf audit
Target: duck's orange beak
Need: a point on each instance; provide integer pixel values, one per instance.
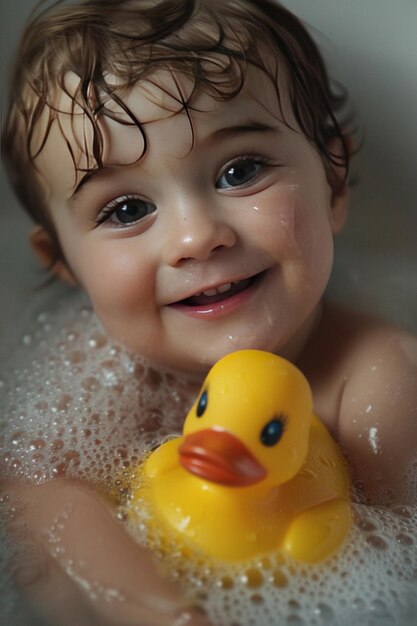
(218, 456)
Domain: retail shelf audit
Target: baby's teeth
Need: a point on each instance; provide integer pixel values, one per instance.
(224, 288)
(221, 289)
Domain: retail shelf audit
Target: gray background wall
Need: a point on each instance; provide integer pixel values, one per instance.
(371, 46)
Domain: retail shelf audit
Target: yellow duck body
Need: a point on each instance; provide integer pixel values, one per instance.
(255, 470)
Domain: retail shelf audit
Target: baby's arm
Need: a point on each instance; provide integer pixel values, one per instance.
(81, 566)
(378, 413)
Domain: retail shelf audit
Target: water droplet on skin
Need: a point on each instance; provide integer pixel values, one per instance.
(373, 439)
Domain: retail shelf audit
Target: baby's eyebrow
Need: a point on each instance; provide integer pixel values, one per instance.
(227, 131)
(88, 176)
(250, 127)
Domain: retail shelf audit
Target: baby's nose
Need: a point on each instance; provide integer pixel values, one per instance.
(197, 235)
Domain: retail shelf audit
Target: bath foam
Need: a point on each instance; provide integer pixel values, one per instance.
(75, 403)
(370, 581)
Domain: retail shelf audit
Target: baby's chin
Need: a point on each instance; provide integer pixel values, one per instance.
(197, 363)
(196, 347)
(268, 338)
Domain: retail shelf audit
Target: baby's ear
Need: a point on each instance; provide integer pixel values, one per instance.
(45, 249)
(339, 208)
(339, 184)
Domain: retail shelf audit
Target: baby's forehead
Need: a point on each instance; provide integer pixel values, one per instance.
(168, 92)
(168, 95)
(160, 99)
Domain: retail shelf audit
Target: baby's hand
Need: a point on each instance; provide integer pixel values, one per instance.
(79, 565)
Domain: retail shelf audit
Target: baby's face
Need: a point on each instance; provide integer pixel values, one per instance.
(198, 249)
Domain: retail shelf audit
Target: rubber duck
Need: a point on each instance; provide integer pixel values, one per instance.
(255, 470)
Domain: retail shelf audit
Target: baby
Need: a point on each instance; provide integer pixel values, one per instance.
(186, 165)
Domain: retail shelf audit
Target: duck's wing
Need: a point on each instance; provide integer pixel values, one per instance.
(327, 460)
(318, 532)
(324, 475)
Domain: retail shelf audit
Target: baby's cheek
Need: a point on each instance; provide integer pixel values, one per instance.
(115, 279)
(312, 230)
(294, 225)
(273, 220)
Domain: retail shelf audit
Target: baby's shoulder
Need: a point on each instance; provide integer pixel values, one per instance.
(357, 342)
(356, 361)
(382, 376)
(372, 374)
(375, 349)
(377, 421)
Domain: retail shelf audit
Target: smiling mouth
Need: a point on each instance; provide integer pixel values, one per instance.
(222, 292)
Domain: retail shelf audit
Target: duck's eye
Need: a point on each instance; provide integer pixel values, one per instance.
(272, 432)
(202, 404)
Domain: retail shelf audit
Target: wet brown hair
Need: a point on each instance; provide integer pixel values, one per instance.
(212, 42)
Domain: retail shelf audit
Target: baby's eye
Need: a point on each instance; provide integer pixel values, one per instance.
(126, 211)
(240, 172)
